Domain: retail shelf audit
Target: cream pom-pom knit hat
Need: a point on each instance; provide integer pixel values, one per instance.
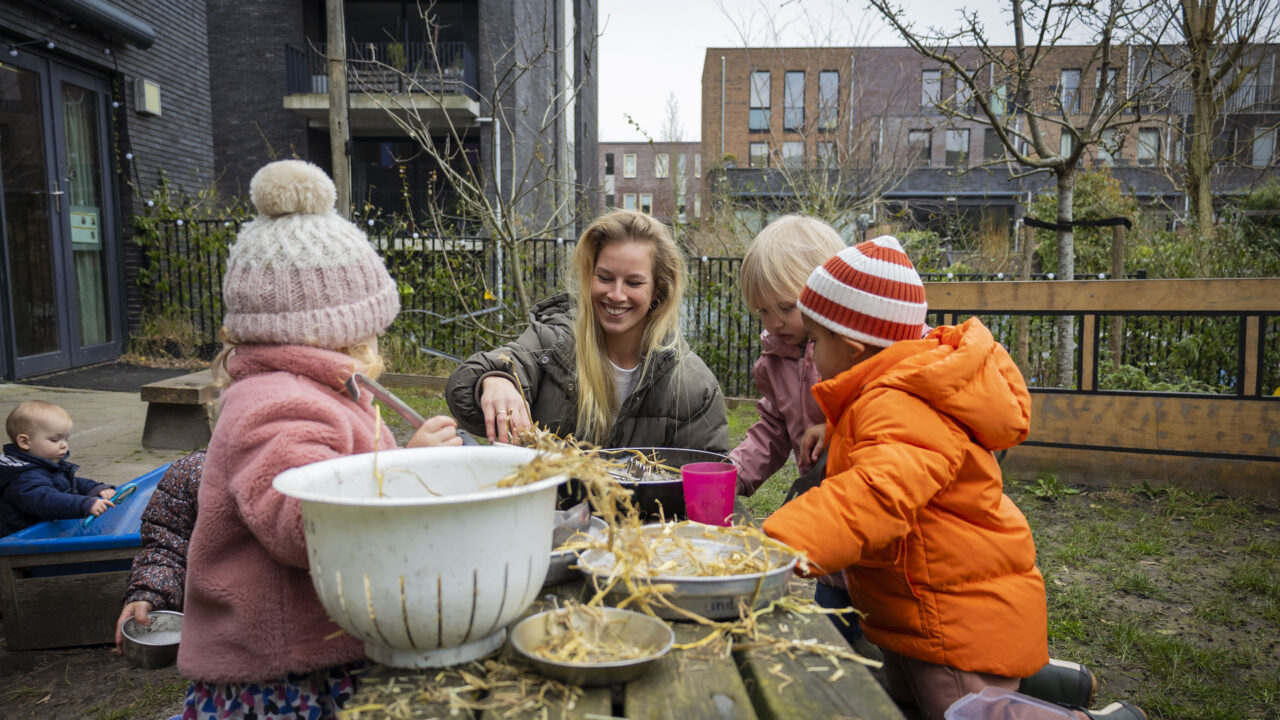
(299, 274)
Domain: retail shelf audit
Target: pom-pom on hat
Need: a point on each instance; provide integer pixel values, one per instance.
(869, 292)
(299, 274)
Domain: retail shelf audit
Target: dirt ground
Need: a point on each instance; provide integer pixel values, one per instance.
(90, 683)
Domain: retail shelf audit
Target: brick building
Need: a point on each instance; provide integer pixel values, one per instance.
(663, 179)
(95, 107)
(871, 116)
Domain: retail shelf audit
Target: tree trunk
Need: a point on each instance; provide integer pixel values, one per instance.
(1198, 21)
(1116, 325)
(1022, 338)
(1065, 325)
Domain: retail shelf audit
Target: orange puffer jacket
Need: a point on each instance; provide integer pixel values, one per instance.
(912, 508)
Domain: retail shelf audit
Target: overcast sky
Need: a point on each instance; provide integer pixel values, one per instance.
(652, 48)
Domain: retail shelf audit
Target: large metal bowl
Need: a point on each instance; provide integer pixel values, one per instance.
(652, 498)
(718, 597)
(635, 628)
(155, 645)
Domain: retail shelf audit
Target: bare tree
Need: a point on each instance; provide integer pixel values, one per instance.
(1219, 51)
(672, 130)
(1046, 123)
(523, 187)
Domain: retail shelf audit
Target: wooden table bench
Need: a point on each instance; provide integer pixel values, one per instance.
(686, 684)
(180, 411)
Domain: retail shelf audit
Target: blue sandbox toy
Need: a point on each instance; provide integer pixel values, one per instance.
(62, 581)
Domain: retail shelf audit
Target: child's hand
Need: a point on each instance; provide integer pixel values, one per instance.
(137, 610)
(505, 413)
(813, 441)
(107, 494)
(437, 431)
(100, 506)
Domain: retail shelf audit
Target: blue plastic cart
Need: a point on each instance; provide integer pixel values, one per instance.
(62, 581)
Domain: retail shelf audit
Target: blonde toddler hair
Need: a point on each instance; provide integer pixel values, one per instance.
(780, 258)
(29, 415)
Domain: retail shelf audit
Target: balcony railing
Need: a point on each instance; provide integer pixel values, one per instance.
(386, 67)
(1169, 100)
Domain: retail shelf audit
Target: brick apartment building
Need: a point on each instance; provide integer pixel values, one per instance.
(768, 112)
(663, 179)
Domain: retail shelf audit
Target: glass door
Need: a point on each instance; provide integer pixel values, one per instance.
(60, 280)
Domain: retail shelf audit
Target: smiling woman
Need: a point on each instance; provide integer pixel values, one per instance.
(605, 363)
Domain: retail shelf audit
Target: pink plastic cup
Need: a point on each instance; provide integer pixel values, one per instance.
(708, 491)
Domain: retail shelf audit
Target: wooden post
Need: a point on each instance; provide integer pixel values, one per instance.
(1022, 341)
(1115, 328)
(339, 132)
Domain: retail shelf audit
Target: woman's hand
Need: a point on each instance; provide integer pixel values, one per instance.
(438, 431)
(137, 610)
(813, 441)
(505, 413)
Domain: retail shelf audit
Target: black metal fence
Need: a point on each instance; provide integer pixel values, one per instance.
(448, 68)
(451, 287)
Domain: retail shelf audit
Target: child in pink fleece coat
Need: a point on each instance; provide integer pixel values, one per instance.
(305, 298)
(774, 271)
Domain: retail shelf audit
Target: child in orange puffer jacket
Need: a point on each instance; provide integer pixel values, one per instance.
(912, 508)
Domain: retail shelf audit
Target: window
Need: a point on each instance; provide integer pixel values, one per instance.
(930, 90)
(628, 166)
(661, 165)
(697, 165)
(964, 97)
(682, 167)
(957, 147)
(1148, 146)
(697, 206)
(1108, 147)
(759, 155)
(793, 154)
(921, 142)
(1069, 90)
(629, 201)
(609, 200)
(1264, 146)
(992, 147)
(646, 203)
(828, 99)
(680, 207)
(1066, 143)
(760, 85)
(608, 163)
(826, 155)
(793, 101)
(1109, 90)
(999, 100)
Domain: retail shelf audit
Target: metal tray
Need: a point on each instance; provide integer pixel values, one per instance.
(652, 499)
(563, 562)
(714, 598)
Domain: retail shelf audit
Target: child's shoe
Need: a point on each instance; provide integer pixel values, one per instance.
(1061, 682)
(1118, 711)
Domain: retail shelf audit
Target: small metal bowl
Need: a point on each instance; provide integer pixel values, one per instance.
(641, 630)
(153, 646)
(564, 563)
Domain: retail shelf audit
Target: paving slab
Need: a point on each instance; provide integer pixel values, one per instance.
(106, 434)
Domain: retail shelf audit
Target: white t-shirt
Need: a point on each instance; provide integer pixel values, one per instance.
(624, 381)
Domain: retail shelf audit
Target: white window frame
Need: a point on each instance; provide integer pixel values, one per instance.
(646, 199)
(629, 201)
(662, 165)
(697, 165)
(697, 206)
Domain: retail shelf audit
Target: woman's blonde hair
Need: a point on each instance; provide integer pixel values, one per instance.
(362, 353)
(598, 400)
(780, 259)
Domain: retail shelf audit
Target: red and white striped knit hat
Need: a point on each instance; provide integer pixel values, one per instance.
(869, 292)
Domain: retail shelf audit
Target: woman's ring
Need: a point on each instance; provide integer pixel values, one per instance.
(502, 413)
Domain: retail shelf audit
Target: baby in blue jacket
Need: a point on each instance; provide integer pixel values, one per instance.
(36, 481)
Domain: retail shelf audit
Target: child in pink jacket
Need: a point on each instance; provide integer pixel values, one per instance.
(305, 298)
(791, 423)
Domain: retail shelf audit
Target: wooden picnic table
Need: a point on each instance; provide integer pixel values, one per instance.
(692, 684)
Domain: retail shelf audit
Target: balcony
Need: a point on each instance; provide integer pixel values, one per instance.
(436, 84)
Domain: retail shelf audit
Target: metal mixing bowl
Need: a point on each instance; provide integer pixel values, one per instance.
(635, 628)
(652, 498)
(153, 646)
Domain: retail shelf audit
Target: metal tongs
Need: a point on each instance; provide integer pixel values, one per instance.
(388, 398)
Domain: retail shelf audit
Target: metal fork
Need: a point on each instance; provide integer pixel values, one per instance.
(388, 398)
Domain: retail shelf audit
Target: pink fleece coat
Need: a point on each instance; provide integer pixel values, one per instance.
(251, 611)
(784, 375)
